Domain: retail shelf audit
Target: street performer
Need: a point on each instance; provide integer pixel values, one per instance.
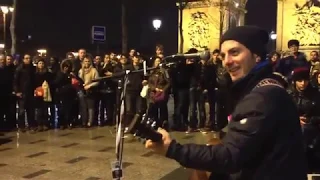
(264, 139)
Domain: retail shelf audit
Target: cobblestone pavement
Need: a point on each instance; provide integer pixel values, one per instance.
(85, 154)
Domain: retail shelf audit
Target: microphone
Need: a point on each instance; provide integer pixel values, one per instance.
(167, 65)
(204, 55)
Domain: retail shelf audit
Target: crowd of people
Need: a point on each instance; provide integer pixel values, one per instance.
(265, 139)
(50, 93)
(39, 93)
(42, 93)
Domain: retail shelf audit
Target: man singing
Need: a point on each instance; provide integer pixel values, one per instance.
(264, 141)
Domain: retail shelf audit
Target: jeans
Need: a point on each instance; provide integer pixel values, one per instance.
(133, 103)
(87, 109)
(26, 106)
(182, 104)
(197, 107)
(159, 111)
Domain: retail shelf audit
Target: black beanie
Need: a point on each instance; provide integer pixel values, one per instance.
(192, 50)
(293, 42)
(252, 37)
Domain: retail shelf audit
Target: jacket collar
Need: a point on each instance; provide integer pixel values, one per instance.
(243, 86)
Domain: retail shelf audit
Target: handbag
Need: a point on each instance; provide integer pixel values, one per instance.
(144, 91)
(158, 96)
(38, 92)
(46, 92)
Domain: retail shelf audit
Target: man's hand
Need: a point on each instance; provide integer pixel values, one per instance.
(160, 90)
(19, 94)
(303, 120)
(108, 73)
(144, 82)
(86, 87)
(160, 147)
(189, 61)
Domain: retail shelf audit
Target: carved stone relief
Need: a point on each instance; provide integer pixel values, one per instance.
(307, 28)
(198, 30)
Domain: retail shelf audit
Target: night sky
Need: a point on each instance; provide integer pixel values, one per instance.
(65, 25)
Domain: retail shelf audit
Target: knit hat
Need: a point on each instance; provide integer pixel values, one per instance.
(66, 63)
(301, 73)
(293, 42)
(192, 50)
(252, 37)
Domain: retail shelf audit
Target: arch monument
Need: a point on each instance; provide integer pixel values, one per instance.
(204, 21)
(298, 19)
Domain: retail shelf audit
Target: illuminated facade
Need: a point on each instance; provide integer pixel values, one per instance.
(205, 21)
(299, 19)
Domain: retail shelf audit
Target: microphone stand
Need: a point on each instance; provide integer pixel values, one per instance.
(121, 115)
(122, 87)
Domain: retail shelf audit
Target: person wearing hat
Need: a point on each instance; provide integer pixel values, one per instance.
(134, 102)
(264, 138)
(181, 76)
(296, 59)
(65, 84)
(307, 99)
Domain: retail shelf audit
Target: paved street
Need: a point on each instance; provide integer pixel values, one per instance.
(83, 154)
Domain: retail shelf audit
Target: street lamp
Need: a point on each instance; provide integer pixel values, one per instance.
(273, 36)
(5, 10)
(75, 54)
(156, 23)
(42, 52)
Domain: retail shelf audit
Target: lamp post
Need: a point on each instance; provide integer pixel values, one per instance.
(156, 24)
(42, 52)
(5, 10)
(273, 37)
(236, 10)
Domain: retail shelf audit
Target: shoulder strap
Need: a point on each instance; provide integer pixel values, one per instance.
(268, 82)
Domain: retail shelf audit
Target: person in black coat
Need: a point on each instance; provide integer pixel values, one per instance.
(23, 84)
(11, 114)
(42, 98)
(5, 94)
(65, 93)
(134, 102)
(295, 60)
(264, 139)
(307, 99)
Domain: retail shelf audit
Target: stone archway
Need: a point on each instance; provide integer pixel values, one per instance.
(299, 19)
(204, 21)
